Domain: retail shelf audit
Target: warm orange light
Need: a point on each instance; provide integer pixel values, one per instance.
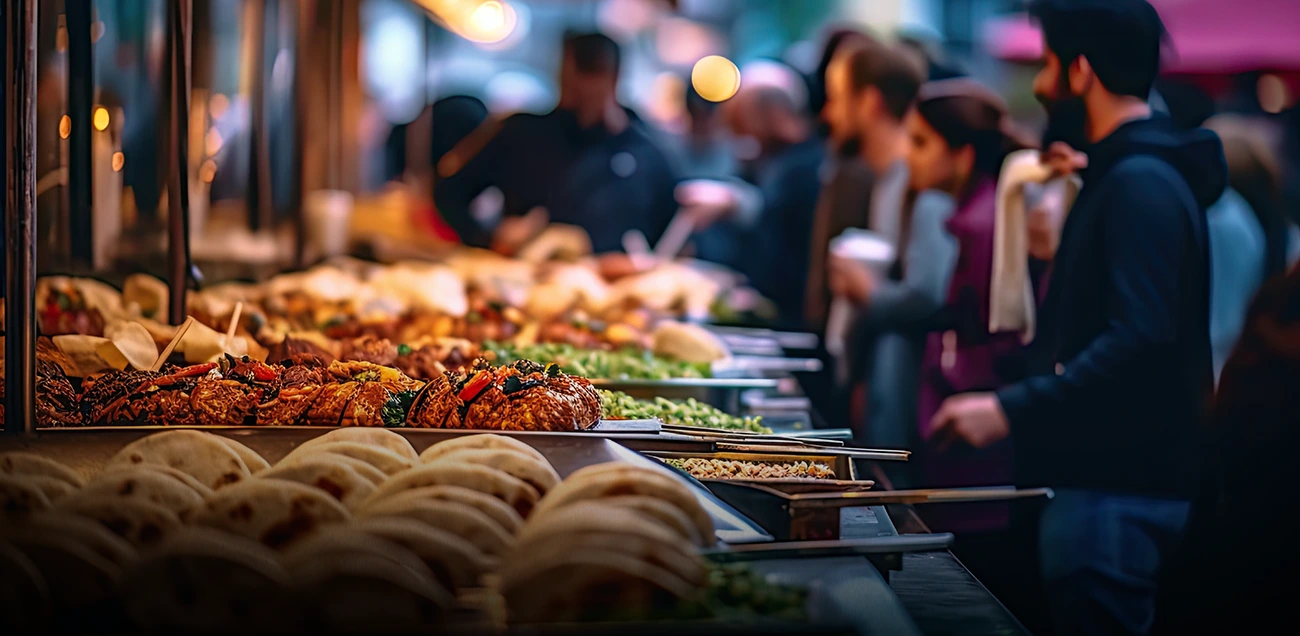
(218, 105)
(65, 127)
(213, 141)
(118, 160)
(208, 171)
(715, 78)
(100, 119)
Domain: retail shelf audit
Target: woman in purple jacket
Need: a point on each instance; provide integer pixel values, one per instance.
(959, 136)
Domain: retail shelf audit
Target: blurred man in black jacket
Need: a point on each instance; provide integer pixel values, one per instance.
(589, 163)
(1123, 353)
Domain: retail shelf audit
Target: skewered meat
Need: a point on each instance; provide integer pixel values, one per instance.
(523, 396)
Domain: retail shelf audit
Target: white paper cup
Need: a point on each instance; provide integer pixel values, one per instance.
(327, 215)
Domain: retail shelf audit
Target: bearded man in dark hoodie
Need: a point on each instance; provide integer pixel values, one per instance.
(1122, 358)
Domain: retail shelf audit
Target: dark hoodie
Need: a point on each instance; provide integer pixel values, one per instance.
(1121, 368)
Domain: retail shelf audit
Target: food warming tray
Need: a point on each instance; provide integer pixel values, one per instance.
(723, 393)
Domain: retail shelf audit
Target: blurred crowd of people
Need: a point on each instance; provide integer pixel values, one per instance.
(1049, 309)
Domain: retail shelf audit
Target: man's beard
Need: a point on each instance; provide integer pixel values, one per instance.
(1067, 118)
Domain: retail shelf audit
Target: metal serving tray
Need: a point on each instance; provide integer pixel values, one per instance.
(86, 450)
(787, 339)
(845, 472)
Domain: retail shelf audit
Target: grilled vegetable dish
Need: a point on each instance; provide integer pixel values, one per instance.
(623, 364)
(701, 468)
(690, 412)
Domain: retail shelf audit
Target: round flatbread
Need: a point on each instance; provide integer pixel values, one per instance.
(453, 560)
(205, 580)
(382, 438)
(387, 461)
(146, 483)
(255, 462)
(594, 524)
(536, 473)
(18, 463)
(142, 523)
(661, 511)
(328, 473)
(596, 482)
(502, 513)
(83, 531)
(372, 474)
(53, 488)
(462, 520)
(25, 606)
(512, 490)
(589, 585)
(273, 512)
(197, 454)
(366, 593)
(75, 575)
(168, 471)
(20, 497)
(478, 440)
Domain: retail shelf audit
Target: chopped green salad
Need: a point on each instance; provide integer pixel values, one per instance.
(623, 364)
(690, 412)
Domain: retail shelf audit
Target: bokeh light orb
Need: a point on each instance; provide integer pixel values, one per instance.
(715, 78)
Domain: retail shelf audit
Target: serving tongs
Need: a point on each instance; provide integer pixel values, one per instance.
(910, 497)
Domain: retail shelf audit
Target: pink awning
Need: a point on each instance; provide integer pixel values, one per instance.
(1209, 36)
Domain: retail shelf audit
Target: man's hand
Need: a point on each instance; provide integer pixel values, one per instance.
(1063, 160)
(513, 232)
(1043, 234)
(706, 202)
(975, 418)
(850, 279)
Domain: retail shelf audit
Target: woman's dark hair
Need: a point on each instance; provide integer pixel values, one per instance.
(964, 113)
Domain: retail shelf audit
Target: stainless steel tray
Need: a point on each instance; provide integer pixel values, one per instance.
(845, 471)
(723, 393)
(762, 366)
(787, 339)
(86, 450)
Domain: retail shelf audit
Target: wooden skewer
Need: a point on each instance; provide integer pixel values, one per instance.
(234, 323)
(171, 346)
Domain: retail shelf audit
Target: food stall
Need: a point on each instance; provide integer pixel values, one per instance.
(420, 444)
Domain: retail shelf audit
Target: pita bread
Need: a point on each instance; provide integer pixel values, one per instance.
(202, 580)
(661, 511)
(142, 523)
(54, 489)
(274, 512)
(459, 519)
(502, 513)
(385, 460)
(372, 474)
(172, 473)
(587, 584)
(85, 532)
(145, 483)
(19, 498)
(366, 593)
(90, 354)
(478, 440)
(201, 343)
(252, 460)
(75, 575)
(133, 342)
(688, 343)
(19, 463)
(383, 438)
(615, 479)
(490, 481)
(329, 474)
(537, 474)
(24, 597)
(147, 292)
(596, 525)
(197, 454)
(453, 560)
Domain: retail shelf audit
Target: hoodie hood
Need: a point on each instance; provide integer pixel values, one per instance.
(1197, 154)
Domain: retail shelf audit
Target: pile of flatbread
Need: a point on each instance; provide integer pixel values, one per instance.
(352, 530)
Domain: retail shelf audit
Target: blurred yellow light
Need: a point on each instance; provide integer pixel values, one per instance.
(100, 119)
(715, 78)
(208, 171)
(489, 17)
(118, 160)
(218, 105)
(212, 142)
(65, 127)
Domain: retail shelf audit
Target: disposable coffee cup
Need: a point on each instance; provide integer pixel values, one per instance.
(327, 215)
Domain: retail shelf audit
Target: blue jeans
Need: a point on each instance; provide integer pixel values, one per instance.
(1100, 554)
